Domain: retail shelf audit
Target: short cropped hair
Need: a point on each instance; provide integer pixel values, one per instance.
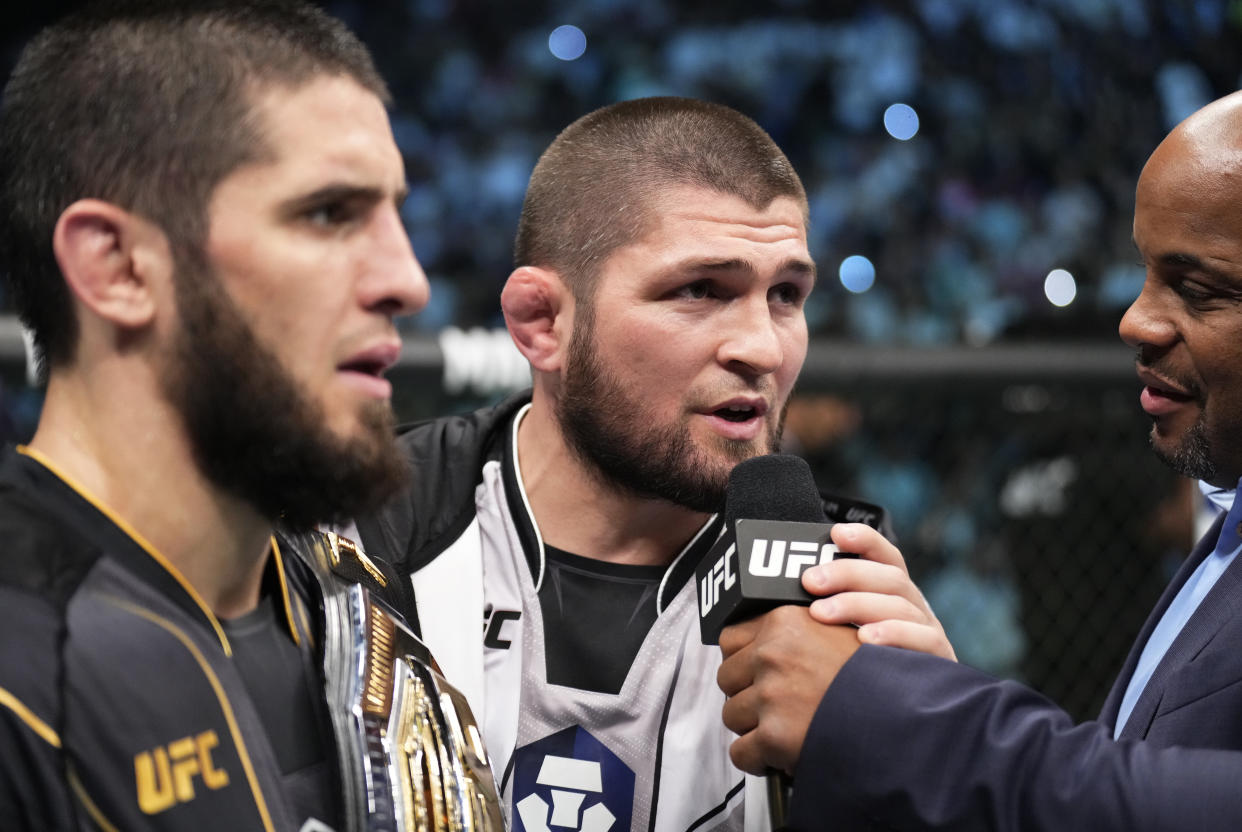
(593, 188)
(146, 105)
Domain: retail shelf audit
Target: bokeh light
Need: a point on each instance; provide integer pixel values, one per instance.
(1060, 288)
(567, 42)
(857, 273)
(901, 121)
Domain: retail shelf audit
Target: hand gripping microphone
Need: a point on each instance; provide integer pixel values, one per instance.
(775, 529)
(776, 526)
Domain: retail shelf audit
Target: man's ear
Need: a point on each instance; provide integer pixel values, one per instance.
(538, 309)
(112, 260)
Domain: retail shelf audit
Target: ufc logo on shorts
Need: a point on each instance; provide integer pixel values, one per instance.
(769, 558)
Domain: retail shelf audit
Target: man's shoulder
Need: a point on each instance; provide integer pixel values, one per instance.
(42, 564)
(446, 457)
(462, 438)
(32, 789)
(39, 553)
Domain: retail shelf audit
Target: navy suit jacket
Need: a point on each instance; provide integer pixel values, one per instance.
(1195, 696)
(907, 741)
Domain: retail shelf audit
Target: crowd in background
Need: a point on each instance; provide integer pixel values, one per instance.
(1034, 118)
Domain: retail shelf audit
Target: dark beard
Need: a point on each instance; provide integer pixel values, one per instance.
(253, 431)
(1193, 457)
(607, 429)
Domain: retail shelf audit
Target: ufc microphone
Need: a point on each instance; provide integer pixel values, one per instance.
(775, 529)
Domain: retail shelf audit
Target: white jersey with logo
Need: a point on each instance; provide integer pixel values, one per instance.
(652, 758)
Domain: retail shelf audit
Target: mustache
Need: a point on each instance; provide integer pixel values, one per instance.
(1144, 360)
(764, 388)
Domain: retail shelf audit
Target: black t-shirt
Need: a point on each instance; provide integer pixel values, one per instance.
(595, 618)
(284, 686)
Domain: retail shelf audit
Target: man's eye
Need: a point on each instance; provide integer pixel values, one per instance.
(330, 214)
(1194, 292)
(788, 293)
(697, 290)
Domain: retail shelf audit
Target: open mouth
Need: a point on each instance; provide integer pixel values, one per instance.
(736, 413)
(364, 366)
(1166, 393)
(1159, 384)
(1162, 398)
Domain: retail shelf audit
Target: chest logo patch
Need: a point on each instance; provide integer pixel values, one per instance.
(494, 621)
(165, 776)
(571, 781)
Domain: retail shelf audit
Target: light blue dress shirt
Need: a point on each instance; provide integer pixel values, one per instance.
(1221, 499)
(1183, 606)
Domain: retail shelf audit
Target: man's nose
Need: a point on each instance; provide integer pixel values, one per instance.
(750, 338)
(1147, 322)
(394, 280)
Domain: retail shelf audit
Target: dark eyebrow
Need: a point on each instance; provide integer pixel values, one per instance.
(341, 193)
(1184, 261)
(804, 268)
(800, 268)
(1181, 261)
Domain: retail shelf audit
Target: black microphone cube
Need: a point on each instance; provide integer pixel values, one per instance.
(755, 567)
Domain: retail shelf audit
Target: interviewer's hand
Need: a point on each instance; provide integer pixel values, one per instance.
(874, 591)
(776, 669)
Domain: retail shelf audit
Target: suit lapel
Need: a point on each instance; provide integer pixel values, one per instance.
(1218, 607)
(1112, 705)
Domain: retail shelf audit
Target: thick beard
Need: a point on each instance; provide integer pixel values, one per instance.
(607, 429)
(255, 434)
(1192, 457)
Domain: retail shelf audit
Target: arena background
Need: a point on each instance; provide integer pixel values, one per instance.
(1001, 430)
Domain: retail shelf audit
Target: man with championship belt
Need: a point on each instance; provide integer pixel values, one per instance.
(199, 227)
(662, 269)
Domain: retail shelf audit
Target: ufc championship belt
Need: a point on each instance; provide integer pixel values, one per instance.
(412, 756)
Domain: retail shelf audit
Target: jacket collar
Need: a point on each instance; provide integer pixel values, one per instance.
(80, 508)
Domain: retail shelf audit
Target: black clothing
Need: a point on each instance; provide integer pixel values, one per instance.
(595, 618)
(123, 701)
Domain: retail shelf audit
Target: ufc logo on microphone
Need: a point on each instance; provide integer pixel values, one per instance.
(719, 577)
(771, 558)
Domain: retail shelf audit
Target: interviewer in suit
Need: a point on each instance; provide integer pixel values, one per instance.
(903, 740)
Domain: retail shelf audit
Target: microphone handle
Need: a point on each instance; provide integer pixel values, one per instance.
(779, 786)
